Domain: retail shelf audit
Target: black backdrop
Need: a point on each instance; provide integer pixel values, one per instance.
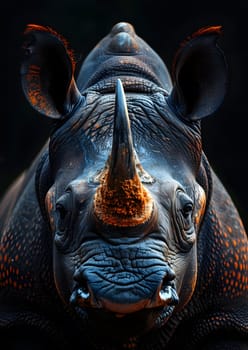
(163, 24)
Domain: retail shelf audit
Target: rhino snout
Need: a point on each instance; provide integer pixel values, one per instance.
(124, 298)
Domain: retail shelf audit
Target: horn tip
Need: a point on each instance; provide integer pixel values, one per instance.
(119, 87)
(118, 82)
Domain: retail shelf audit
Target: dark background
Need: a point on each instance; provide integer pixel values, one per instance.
(163, 24)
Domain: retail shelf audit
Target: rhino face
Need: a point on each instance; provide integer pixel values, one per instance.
(125, 198)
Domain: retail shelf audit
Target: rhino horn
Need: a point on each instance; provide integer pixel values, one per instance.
(121, 199)
(122, 160)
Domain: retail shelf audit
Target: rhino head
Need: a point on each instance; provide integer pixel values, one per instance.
(123, 186)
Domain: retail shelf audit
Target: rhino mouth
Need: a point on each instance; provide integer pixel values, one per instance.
(162, 314)
(135, 76)
(167, 296)
(120, 327)
(107, 323)
(130, 291)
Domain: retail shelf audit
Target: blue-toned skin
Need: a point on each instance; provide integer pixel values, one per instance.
(120, 235)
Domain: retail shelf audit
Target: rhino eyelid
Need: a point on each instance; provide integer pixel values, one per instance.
(186, 200)
(187, 209)
(62, 210)
(68, 191)
(64, 202)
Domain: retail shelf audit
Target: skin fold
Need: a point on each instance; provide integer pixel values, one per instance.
(120, 235)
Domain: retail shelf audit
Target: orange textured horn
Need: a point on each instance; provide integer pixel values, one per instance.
(121, 199)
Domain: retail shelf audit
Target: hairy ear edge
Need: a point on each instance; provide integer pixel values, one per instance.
(199, 75)
(47, 72)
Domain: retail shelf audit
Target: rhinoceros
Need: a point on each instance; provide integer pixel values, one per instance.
(120, 235)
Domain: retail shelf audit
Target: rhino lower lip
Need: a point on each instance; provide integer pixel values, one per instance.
(162, 316)
(80, 299)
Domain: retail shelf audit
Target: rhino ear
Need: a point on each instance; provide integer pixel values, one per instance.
(199, 75)
(47, 72)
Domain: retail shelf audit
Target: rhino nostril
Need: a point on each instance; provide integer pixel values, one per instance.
(84, 293)
(80, 296)
(168, 292)
(81, 293)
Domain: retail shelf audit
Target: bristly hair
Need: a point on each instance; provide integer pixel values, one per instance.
(201, 32)
(39, 28)
(209, 30)
(206, 30)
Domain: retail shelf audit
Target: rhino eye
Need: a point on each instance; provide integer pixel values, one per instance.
(184, 208)
(183, 218)
(63, 215)
(187, 210)
(63, 210)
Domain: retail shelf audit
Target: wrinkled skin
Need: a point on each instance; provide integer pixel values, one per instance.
(120, 235)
